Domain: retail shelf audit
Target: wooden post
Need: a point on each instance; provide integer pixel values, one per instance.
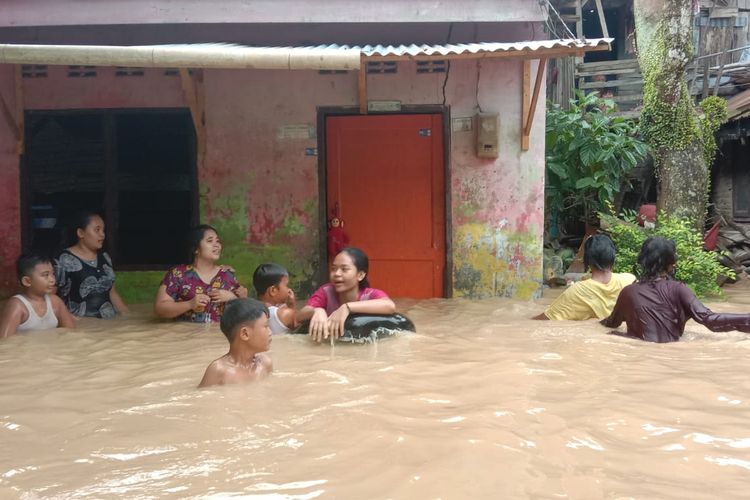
(20, 124)
(722, 62)
(196, 112)
(706, 71)
(362, 86)
(602, 21)
(526, 79)
(529, 108)
(535, 97)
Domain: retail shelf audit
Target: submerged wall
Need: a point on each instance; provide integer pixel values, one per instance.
(261, 190)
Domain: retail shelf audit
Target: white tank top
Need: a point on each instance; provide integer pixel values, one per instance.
(36, 322)
(273, 321)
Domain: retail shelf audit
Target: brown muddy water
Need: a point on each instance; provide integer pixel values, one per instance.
(481, 403)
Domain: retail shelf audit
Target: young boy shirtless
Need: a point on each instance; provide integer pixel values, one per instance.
(37, 307)
(271, 282)
(245, 324)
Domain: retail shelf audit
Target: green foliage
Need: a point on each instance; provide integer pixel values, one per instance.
(714, 116)
(697, 268)
(589, 152)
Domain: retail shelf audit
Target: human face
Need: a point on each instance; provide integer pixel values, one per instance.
(41, 281)
(92, 237)
(344, 275)
(258, 335)
(210, 247)
(279, 293)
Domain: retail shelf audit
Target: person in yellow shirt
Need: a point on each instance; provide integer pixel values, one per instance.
(594, 297)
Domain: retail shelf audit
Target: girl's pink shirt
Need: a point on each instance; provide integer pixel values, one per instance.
(325, 297)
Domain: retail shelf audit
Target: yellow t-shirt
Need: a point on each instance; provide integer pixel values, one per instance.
(589, 299)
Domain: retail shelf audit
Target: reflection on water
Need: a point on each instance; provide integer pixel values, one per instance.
(481, 403)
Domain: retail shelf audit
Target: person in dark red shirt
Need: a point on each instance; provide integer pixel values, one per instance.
(656, 307)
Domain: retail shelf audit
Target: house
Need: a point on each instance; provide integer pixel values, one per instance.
(416, 123)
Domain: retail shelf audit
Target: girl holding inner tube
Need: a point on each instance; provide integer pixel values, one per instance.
(347, 292)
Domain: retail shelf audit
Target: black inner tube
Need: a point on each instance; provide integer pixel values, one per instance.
(365, 328)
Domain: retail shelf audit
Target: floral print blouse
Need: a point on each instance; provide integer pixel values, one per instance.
(183, 283)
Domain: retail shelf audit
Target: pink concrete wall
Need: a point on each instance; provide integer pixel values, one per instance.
(261, 190)
(88, 12)
(10, 228)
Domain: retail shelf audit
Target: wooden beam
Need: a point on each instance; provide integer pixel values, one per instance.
(602, 21)
(535, 97)
(9, 118)
(20, 124)
(362, 86)
(196, 112)
(526, 83)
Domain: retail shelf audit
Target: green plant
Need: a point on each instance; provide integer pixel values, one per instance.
(697, 268)
(588, 154)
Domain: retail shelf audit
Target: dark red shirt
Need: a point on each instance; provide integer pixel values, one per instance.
(658, 310)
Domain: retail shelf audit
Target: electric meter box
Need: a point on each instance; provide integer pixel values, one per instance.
(488, 135)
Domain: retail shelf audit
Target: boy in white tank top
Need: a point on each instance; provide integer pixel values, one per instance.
(37, 307)
(271, 283)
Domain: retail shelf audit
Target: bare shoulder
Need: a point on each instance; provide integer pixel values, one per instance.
(214, 374)
(265, 361)
(57, 302)
(15, 308)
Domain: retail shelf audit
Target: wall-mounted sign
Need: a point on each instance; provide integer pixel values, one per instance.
(383, 106)
(296, 132)
(462, 124)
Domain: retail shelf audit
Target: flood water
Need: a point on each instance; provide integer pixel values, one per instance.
(481, 403)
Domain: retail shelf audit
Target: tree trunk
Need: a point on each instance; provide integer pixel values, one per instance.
(669, 121)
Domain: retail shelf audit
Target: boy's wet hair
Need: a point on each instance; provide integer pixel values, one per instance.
(240, 312)
(655, 257)
(27, 262)
(266, 276)
(361, 262)
(599, 253)
(195, 236)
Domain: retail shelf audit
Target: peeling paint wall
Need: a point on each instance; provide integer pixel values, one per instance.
(10, 227)
(260, 189)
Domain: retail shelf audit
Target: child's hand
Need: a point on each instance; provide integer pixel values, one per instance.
(336, 321)
(199, 302)
(241, 292)
(221, 295)
(291, 301)
(319, 325)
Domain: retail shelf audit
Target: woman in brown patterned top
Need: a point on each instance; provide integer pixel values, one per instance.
(657, 307)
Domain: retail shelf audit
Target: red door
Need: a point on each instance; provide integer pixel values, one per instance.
(385, 176)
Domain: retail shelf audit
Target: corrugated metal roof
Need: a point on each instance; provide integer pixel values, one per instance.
(218, 55)
(478, 48)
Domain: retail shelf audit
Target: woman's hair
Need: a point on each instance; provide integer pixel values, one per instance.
(79, 220)
(599, 252)
(195, 236)
(361, 262)
(655, 257)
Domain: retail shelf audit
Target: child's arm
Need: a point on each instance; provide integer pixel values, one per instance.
(288, 317)
(318, 321)
(117, 301)
(375, 306)
(12, 317)
(64, 317)
(213, 376)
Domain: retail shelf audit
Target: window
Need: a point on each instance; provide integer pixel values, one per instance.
(135, 167)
